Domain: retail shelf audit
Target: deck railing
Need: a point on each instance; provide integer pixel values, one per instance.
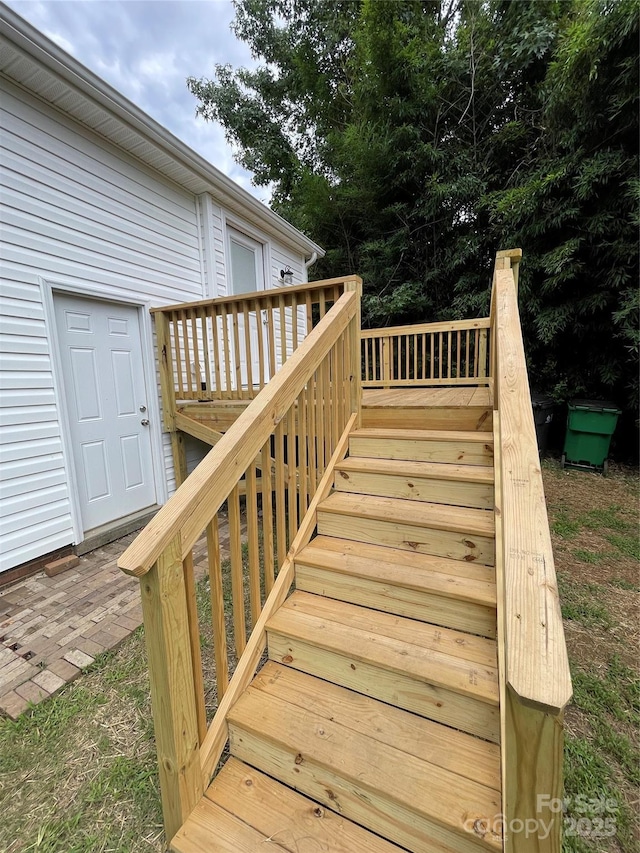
(292, 433)
(452, 353)
(229, 348)
(535, 677)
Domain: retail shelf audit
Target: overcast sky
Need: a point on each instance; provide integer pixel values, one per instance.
(146, 49)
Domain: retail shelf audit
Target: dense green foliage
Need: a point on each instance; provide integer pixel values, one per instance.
(414, 139)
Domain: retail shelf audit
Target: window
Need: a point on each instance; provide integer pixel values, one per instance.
(246, 262)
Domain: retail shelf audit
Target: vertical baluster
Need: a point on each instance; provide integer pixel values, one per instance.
(312, 404)
(226, 352)
(216, 356)
(253, 545)
(458, 338)
(194, 642)
(281, 513)
(246, 321)
(292, 480)
(235, 333)
(432, 365)
(365, 344)
(414, 338)
(338, 381)
(187, 354)
(217, 607)
(407, 356)
(294, 322)
(448, 355)
(260, 335)
(303, 438)
(326, 411)
(283, 328)
(320, 407)
(267, 518)
(440, 355)
(467, 356)
(237, 584)
(323, 304)
(423, 373)
(178, 353)
(476, 359)
(309, 311)
(271, 333)
(205, 353)
(197, 368)
(336, 391)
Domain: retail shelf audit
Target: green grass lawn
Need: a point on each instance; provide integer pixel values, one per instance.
(78, 772)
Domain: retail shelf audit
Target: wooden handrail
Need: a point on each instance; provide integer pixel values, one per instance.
(199, 498)
(535, 681)
(419, 328)
(537, 665)
(288, 291)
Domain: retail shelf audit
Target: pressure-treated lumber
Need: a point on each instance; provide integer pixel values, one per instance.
(242, 799)
(433, 671)
(436, 744)
(537, 664)
(164, 608)
(453, 447)
(457, 532)
(452, 593)
(431, 417)
(202, 494)
(216, 737)
(459, 485)
(361, 777)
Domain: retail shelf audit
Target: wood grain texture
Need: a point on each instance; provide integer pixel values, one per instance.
(216, 736)
(537, 665)
(362, 778)
(166, 623)
(286, 819)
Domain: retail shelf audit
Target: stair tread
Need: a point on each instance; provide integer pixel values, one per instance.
(407, 468)
(420, 513)
(432, 742)
(354, 771)
(463, 663)
(423, 434)
(245, 810)
(422, 572)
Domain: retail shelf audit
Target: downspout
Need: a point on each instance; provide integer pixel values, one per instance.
(310, 263)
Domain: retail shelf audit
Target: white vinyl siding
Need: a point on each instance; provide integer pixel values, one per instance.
(79, 213)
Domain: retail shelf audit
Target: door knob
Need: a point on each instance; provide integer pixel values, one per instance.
(143, 408)
(144, 422)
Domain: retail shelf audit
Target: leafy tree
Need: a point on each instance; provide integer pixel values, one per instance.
(413, 139)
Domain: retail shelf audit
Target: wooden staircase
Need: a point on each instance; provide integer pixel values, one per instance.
(391, 672)
(374, 725)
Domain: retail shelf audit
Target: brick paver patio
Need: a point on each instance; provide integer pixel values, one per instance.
(52, 628)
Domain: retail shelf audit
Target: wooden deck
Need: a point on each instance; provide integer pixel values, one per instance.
(423, 408)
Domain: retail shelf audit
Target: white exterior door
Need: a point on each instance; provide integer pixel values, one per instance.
(101, 354)
(246, 262)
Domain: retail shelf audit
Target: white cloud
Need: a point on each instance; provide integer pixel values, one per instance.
(146, 50)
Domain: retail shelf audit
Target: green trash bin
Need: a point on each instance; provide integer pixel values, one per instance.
(590, 425)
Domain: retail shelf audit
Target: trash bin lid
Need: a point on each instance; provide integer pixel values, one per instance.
(595, 406)
(541, 401)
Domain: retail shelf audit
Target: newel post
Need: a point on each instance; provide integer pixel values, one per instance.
(533, 783)
(166, 628)
(168, 393)
(355, 345)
